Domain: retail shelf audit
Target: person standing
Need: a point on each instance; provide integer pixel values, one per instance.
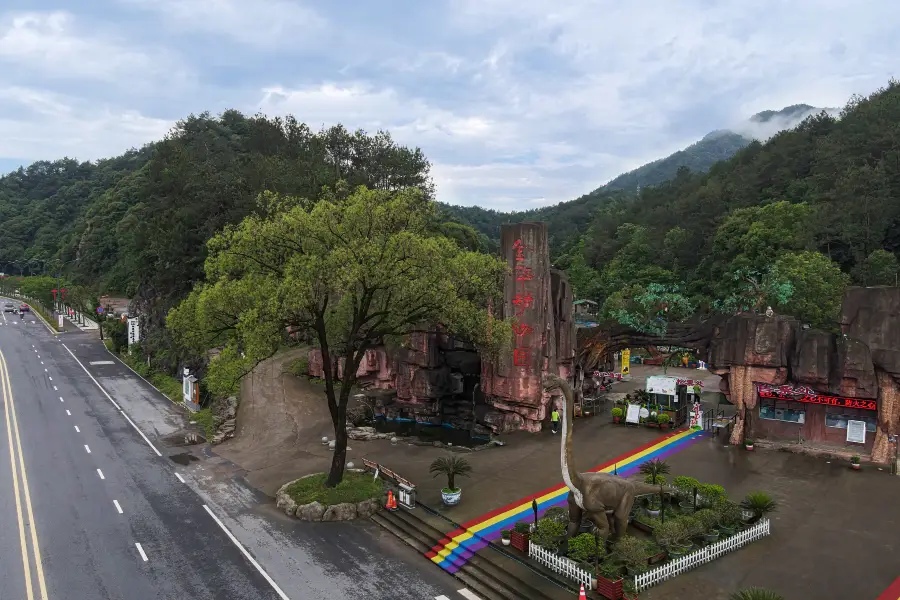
(554, 420)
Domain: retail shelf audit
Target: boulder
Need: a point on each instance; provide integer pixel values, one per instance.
(367, 508)
(366, 434)
(340, 512)
(310, 512)
(285, 503)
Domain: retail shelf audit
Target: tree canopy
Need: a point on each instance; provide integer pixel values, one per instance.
(351, 271)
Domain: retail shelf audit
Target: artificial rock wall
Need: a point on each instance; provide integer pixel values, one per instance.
(434, 378)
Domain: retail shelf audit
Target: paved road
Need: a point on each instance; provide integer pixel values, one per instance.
(98, 502)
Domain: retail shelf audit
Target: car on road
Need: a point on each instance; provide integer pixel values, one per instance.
(24, 308)
(9, 307)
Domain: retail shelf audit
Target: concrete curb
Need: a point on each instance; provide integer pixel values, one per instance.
(43, 320)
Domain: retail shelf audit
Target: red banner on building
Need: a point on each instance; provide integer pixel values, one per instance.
(808, 396)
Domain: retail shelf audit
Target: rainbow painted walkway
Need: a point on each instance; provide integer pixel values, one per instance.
(892, 593)
(460, 545)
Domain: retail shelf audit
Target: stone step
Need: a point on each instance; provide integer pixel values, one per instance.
(502, 572)
(511, 559)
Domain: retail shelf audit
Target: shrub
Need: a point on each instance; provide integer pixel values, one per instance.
(685, 484)
(663, 418)
(632, 552)
(558, 514)
(610, 569)
(617, 412)
(708, 518)
(655, 480)
(299, 367)
(522, 527)
(583, 548)
(669, 534)
(711, 492)
(693, 527)
(548, 534)
(505, 534)
(755, 593)
(854, 460)
(730, 514)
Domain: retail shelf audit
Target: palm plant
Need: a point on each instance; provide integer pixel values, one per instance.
(759, 503)
(452, 467)
(654, 469)
(755, 593)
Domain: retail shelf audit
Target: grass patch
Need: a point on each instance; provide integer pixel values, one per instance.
(355, 487)
(205, 418)
(168, 385)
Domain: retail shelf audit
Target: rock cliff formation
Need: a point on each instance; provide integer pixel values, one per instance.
(433, 378)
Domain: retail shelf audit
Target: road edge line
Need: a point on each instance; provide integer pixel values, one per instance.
(144, 379)
(127, 418)
(246, 554)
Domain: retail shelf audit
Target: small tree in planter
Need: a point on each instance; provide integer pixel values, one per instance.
(686, 486)
(629, 592)
(520, 535)
(549, 534)
(609, 579)
(504, 536)
(583, 549)
(755, 593)
(451, 466)
(633, 554)
(663, 420)
(731, 517)
(759, 503)
(709, 519)
(854, 462)
(617, 414)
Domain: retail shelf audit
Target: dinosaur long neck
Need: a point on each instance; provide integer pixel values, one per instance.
(570, 475)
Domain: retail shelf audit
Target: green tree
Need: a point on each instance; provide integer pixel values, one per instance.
(753, 292)
(648, 309)
(585, 280)
(352, 271)
(879, 268)
(818, 287)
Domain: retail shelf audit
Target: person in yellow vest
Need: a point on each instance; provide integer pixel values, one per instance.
(554, 420)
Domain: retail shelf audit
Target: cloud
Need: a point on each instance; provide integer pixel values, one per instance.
(34, 120)
(515, 102)
(260, 23)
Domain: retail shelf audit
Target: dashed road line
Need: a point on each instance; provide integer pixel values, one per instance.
(246, 554)
(77, 430)
(68, 413)
(88, 448)
(180, 478)
(48, 377)
(61, 400)
(465, 593)
(100, 473)
(141, 550)
(118, 508)
(55, 389)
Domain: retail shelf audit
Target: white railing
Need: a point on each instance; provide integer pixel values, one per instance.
(701, 556)
(560, 564)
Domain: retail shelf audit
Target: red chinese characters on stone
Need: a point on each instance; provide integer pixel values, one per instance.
(521, 329)
(523, 301)
(520, 250)
(521, 357)
(524, 273)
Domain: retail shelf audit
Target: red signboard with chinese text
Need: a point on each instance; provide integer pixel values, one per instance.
(808, 396)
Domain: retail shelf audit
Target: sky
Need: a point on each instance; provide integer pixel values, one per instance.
(517, 103)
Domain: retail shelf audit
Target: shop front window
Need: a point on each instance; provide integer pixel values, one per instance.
(779, 410)
(837, 417)
(663, 401)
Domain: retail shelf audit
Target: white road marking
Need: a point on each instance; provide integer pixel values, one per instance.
(441, 598)
(61, 400)
(246, 554)
(141, 550)
(48, 377)
(102, 362)
(42, 362)
(118, 508)
(86, 447)
(180, 478)
(68, 413)
(465, 593)
(100, 473)
(79, 431)
(45, 370)
(105, 393)
(55, 389)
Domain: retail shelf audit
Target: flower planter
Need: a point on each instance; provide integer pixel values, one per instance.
(686, 505)
(608, 588)
(711, 537)
(653, 513)
(658, 558)
(748, 447)
(642, 526)
(451, 497)
(617, 420)
(664, 426)
(854, 466)
(505, 541)
(679, 551)
(519, 541)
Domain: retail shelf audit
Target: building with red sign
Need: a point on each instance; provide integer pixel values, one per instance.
(793, 413)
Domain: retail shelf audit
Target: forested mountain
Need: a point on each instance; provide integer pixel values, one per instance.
(567, 221)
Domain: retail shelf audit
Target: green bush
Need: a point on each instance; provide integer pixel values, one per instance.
(583, 548)
(548, 534)
(692, 526)
(633, 553)
(557, 513)
(708, 518)
(617, 412)
(522, 527)
(759, 503)
(730, 514)
(663, 418)
(299, 367)
(669, 534)
(655, 479)
(355, 487)
(205, 418)
(712, 492)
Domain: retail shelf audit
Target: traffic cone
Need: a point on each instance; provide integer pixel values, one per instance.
(391, 501)
(581, 594)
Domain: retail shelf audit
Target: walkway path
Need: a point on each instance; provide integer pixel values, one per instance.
(461, 544)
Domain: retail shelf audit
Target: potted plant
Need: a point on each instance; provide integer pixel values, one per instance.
(758, 503)
(617, 414)
(854, 462)
(663, 420)
(520, 536)
(755, 593)
(504, 536)
(549, 534)
(730, 517)
(629, 592)
(709, 519)
(748, 444)
(633, 554)
(609, 579)
(583, 548)
(451, 466)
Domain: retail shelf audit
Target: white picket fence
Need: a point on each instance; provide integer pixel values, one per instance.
(702, 556)
(561, 564)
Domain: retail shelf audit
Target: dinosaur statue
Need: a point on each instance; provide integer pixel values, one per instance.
(605, 499)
